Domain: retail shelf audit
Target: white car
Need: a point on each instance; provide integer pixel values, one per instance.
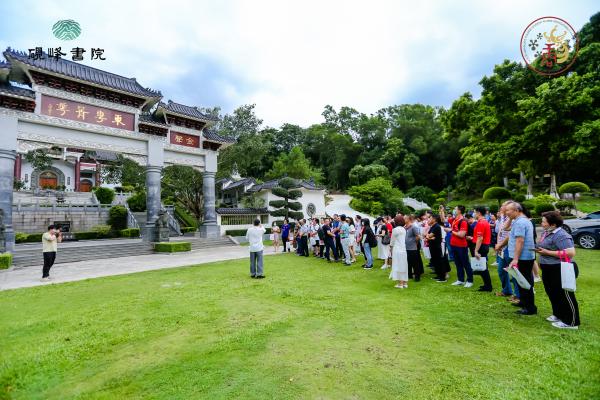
(591, 219)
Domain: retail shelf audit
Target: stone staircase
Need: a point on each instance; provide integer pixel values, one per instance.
(49, 197)
(30, 254)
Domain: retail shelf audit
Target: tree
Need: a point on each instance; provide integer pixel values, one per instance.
(422, 193)
(253, 200)
(497, 193)
(573, 188)
(184, 184)
(286, 208)
(39, 159)
(294, 165)
(377, 197)
(360, 174)
(125, 172)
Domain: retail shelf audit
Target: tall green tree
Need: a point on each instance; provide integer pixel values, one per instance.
(294, 165)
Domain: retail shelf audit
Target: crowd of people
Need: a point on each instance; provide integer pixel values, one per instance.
(467, 239)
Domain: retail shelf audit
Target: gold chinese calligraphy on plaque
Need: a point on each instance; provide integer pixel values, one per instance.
(74, 111)
(183, 139)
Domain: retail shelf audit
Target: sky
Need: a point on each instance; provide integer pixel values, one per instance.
(293, 58)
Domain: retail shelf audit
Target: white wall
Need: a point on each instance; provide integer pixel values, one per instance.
(67, 168)
(317, 197)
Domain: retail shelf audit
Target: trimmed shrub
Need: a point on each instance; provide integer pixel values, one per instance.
(130, 232)
(565, 205)
(5, 260)
(494, 208)
(529, 204)
(188, 229)
(137, 202)
(20, 237)
(86, 235)
(105, 195)
(520, 198)
(172, 247)
(28, 237)
(543, 207)
(496, 193)
(182, 215)
(117, 217)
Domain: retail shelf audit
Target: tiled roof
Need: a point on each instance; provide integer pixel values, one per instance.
(273, 183)
(83, 72)
(152, 119)
(215, 137)
(182, 109)
(4, 64)
(242, 182)
(16, 91)
(239, 211)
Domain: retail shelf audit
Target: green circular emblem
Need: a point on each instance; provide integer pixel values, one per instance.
(66, 29)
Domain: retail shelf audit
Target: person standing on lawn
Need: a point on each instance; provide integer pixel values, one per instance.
(555, 244)
(285, 234)
(254, 235)
(50, 240)
(521, 254)
(329, 240)
(482, 237)
(275, 232)
(460, 251)
(399, 271)
(369, 242)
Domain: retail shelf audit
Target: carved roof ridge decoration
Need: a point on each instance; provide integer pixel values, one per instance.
(10, 90)
(152, 119)
(185, 111)
(83, 72)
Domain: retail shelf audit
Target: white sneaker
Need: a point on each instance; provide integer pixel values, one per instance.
(537, 279)
(562, 325)
(384, 266)
(458, 283)
(494, 264)
(552, 318)
(468, 284)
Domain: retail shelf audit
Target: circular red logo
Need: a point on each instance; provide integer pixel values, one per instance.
(549, 45)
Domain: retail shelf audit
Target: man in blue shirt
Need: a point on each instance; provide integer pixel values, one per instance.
(521, 248)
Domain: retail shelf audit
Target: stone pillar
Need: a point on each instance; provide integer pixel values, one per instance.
(7, 176)
(77, 174)
(209, 228)
(153, 173)
(98, 180)
(18, 162)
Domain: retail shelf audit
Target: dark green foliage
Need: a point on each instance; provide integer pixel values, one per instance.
(104, 195)
(565, 206)
(242, 232)
(286, 208)
(543, 207)
(422, 193)
(39, 159)
(519, 197)
(360, 174)
(5, 260)
(497, 193)
(130, 233)
(377, 197)
(172, 247)
(184, 217)
(28, 237)
(117, 217)
(188, 229)
(137, 202)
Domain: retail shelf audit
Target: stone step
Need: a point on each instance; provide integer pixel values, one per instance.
(31, 255)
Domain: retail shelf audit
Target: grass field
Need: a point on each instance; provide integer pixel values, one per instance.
(310, 330)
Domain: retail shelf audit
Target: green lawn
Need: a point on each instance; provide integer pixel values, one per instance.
(310, 330)
(588, 204)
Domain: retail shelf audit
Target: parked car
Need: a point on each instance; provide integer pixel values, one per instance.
(592, 219)
(587, 237)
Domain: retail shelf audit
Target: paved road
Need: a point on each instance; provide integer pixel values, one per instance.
(31, 276)
(341, 205)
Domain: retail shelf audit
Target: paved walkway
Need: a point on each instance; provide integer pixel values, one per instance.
(340, 204)
(15, 278)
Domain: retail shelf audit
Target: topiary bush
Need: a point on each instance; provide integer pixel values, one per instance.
(496, 193)
(137, 202)
(188, 229)
(5, 260)
(520, 197)
(104, 195)
(28, 237)
(117, 217)
(86, 235)
(543, 207)
(172, 247)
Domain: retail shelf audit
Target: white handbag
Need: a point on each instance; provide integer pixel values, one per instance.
(478, 265)
(567, 272)
(426, 252)
(518, 276)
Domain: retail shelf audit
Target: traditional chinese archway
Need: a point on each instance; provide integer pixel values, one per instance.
(62, 103)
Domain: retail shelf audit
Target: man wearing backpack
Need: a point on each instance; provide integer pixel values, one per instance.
(458, 243)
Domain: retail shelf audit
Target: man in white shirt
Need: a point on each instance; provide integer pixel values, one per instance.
(254, 235)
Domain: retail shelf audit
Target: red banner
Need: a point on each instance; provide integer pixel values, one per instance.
(183, 139)
(74, 111)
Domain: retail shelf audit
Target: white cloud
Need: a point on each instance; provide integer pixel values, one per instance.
(292, 58)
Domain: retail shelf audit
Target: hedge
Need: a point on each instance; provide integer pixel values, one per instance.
(182, 215)
(187, 229)
(172, 247)
(117, 217)
(241, 232)
(104, 195)
(130, 232)
(5, 260)
(28, 237)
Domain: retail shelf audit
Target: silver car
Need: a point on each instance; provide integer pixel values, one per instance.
(591, 219)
